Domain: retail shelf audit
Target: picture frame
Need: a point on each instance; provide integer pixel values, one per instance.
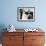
(26, 14)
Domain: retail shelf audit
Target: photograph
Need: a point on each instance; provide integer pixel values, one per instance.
(26, 13)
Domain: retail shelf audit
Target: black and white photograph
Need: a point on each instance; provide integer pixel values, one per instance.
(26, 14)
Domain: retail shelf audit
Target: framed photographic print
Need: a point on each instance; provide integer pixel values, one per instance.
(26, 14)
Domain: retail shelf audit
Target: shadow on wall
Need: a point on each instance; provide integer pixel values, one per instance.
(2, 26)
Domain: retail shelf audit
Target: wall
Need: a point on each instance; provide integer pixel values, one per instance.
(8, 13)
